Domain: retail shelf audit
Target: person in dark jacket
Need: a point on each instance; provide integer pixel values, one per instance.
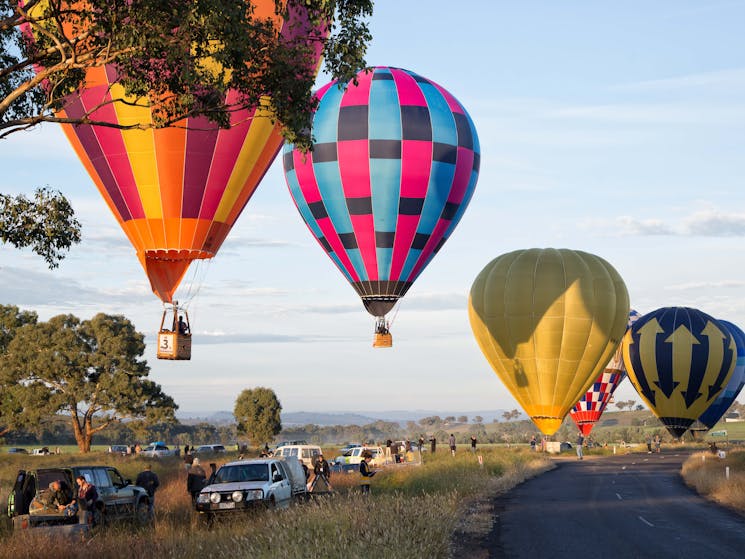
(195, 480)
(148, 480)
(366, 473)
(321, 474)
(87, 500)
(58, 497)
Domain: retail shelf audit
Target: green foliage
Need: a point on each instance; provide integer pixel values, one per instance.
(181, 57)
(46, 224)
(89, 370)
(257, 411)
(11, 319)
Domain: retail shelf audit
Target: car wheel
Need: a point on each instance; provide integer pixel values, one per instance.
(142, 514)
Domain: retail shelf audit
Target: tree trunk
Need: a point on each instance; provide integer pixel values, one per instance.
(82, 438)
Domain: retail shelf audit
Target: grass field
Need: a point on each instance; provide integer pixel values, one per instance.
(413, 510)
(707, 474)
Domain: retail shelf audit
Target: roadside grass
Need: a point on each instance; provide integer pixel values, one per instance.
(706, 473)
(413, 509)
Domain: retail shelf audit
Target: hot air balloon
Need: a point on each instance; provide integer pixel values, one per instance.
(592, 404)
(548, 320)
(679, 359)
(394, 163)
(176, 192)
(722, 402)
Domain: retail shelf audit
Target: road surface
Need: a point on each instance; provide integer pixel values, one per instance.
(624, 506)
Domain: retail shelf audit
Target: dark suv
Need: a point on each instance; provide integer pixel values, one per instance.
(119, 499)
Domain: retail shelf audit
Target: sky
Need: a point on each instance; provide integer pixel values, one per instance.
(617, 128)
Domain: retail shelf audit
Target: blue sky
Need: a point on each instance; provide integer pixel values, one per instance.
(614, 128)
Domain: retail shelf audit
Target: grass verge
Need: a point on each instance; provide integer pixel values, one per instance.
(413, 509)
(707, 474)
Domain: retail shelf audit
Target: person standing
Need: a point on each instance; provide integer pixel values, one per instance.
(195, 480)
(533, 443)
(322, 473)
(433, 444)
(148, 480)
(648, 440)
(366, 473)
(580, 442)
(657, 443)
(87, 500)
(473, 443)
(188, 458)
(451, 442)
(394, 452)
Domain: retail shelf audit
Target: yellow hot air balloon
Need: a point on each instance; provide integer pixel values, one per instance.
(548, 320)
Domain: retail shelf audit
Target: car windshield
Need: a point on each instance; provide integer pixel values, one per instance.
(242, 472)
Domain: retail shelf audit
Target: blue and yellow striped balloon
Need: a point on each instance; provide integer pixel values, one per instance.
(722, 402)
(679, 360)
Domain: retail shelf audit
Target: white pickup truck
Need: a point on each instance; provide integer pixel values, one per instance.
(159, 450)
(245, 484)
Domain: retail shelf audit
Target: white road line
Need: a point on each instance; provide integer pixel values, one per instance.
(619, 497)
(647, 522)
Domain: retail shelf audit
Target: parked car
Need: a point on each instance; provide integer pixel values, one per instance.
(349, 446)
(159, 450)
(210, 449)
(245, 484)
(118, 449)
(17, 450)
(40, 451)
(293, 443)
(119, 499)
(308, 453)
(354, 456)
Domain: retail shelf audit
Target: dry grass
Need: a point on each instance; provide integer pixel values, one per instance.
(412, 509)
(706, 473)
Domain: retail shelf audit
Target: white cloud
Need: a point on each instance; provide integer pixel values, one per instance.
(28, 288)
(704, 285)
(660, 113)
(715, 223)
(733, 78)
(703, 223)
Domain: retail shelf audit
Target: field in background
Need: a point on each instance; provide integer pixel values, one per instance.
(413, 510)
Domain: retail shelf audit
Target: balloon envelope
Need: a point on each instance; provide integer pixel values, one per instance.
(394, 164)
(679, 359)
(592, 404)
(548, 320)
(176, 192)
(722, 402)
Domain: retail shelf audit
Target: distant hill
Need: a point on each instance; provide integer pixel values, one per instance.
(300, 418)
(211, 417)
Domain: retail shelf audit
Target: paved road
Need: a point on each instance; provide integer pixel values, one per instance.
(626, 506)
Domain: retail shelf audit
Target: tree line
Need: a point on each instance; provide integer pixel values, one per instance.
(90, 375)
